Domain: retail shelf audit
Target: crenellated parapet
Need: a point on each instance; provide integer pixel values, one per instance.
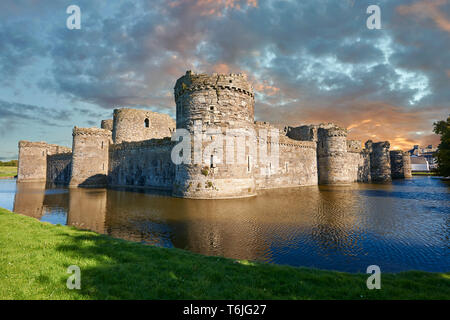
(191, 82)
(216, 100)
(94, 132)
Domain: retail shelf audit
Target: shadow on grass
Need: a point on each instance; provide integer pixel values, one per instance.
(118, 269)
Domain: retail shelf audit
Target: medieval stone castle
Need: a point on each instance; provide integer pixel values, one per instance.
(134, 149)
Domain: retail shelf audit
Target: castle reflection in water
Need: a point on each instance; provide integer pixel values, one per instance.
(344, 228)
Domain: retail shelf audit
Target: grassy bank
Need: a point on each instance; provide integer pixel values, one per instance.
(417, 173)
(8, 171)
(35, 256)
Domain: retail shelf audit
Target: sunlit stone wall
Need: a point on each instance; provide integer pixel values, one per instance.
(138, 125)
(215, 102)
(33, 159)
(90, 157)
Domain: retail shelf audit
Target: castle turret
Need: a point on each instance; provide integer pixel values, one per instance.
(32, 161)
(380, 163)
(107, 124)
(138, 125)
(90, 157)
(332, 155)
(400, 164)
(213, 103)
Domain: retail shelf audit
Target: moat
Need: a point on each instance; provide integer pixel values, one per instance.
(399, 226)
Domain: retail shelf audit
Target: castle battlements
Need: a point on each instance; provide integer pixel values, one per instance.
(134, 148)
(90, 132)
(197, 82)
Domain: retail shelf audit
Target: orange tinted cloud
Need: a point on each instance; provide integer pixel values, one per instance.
(428, 9)
(221, 68)
(377, 121)
(265, 88)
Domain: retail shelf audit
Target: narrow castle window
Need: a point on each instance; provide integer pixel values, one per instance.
(102, 144)
(248, 164)
(286, 165)
(212, 161)
(147, 123)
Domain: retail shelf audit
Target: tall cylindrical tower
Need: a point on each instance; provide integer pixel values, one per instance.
(139, 125)
(400, 164)
(331, 155)
(407, 173)
(380, 161)
(90, 150)
(208, 107)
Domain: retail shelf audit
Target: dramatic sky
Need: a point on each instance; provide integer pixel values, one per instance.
(309, 61)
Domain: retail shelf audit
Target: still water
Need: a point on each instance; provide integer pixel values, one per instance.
(398, 226)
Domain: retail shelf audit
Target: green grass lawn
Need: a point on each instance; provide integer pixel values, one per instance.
(8, 171)
(35, 256)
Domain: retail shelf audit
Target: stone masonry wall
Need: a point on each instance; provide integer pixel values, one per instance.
(33, 159)
(332, 155)
(215, 102)
(107, 124)
(134, 149)
(400, 164)
(138, 125)
(297, 166)
(358, 166)
(380, 163)
(59, 168)
(142, 164)
(90, 157)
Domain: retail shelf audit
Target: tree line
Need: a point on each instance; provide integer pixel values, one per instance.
(12, 163)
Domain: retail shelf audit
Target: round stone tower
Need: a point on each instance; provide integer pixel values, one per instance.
(380, 162)
(208, 107)
(400, 164)
(332, 155)
(139, 125)
(90, 157)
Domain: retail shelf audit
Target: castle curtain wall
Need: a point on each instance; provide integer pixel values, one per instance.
(297, 166)
(142, 164)
(59, 168)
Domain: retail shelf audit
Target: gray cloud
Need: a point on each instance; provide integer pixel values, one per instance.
(300, 55)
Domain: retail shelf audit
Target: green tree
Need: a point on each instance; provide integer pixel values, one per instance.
(443, 154)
